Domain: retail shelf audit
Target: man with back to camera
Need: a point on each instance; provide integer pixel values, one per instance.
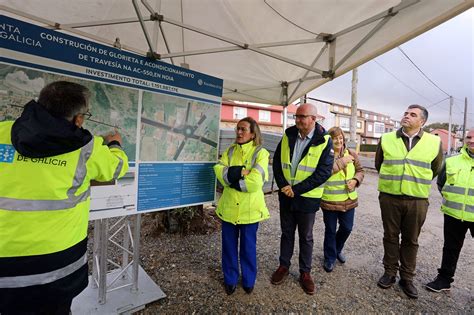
(45, 173)
(407, 161)
(301, 165)
(456, 184)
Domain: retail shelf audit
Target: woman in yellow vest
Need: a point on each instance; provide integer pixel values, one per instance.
(340, 199)
(242, 170)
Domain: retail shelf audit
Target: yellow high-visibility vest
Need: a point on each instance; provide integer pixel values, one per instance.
(406, 172)
(44, 202)
(458, 191)
(246, 206)
(335, 189)
(305, 167)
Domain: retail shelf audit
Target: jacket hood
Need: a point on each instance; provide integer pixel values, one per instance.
(37, 133)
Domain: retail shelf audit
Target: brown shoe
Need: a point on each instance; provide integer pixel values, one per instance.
(307, 283)
(408, 288)
(386, 281)
(279, 275)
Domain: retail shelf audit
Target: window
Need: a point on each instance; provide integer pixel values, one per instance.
(359, 124)
(379, 127)
(336, 108)
(369, 127)
(240, 112)
(346, 110)
(264, 115)
(344, 123)
(366, 116)
(375, 117)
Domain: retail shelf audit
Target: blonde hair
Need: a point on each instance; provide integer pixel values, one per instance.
(255, 129)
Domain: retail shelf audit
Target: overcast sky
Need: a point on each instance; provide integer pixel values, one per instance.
(445, 54)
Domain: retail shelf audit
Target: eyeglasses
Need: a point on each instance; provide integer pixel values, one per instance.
(87, 114)
(243, 129)
(302, 116)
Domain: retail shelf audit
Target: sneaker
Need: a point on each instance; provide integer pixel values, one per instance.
(438, 284)
(386, 281)
(279, 275)
(307, 283)
(408, 288)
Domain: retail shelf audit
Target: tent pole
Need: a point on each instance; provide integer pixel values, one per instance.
(234, 48)
(323, 49)
(284, 92)
(353, 125)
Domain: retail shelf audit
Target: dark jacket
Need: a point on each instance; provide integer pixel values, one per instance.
(321, 174)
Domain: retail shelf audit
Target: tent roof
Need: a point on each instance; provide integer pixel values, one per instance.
(267, 51)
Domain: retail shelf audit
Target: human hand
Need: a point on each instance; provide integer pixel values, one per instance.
(244, 172)
(351, 184)
(288, 191)
(113, 136)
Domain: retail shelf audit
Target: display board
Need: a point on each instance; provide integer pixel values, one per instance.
(168, 116)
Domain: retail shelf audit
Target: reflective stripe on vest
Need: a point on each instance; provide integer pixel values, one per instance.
(335, 189)
(406, 172)
(42, 278)
(458, 190)
(13, 204)
(255, 165)
(305, 168)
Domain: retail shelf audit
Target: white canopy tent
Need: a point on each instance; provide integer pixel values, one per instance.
(267, 51)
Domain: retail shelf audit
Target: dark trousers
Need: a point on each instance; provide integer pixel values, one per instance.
(405, 217)
(334, 240)
(61, 308)
(454, 234)
(289, 221)
(247, 255)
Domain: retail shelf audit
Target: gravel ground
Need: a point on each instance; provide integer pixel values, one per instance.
(188, 270)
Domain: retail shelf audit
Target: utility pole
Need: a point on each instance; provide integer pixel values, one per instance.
(353, 125)
(449, 126)
(465, 120)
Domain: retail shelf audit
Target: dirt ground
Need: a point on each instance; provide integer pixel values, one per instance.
(187, 268)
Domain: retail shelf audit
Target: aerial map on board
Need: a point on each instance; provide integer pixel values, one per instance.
(111, 106)
(177, 129)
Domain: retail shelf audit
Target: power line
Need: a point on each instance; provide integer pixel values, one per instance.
(399, 80)
(421, 71)
(434, 104)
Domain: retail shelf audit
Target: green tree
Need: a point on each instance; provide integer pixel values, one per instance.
(445, 126)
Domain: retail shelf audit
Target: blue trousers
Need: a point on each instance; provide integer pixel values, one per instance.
(247, 255)
(334, 241)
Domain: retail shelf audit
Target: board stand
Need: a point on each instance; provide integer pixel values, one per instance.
(118, 285)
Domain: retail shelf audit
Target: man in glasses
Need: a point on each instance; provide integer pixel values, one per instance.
(47, 161)
(302, 163)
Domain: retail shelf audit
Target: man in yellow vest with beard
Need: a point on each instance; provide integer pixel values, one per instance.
(456, 184)
(407, 161)
(47, 161)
